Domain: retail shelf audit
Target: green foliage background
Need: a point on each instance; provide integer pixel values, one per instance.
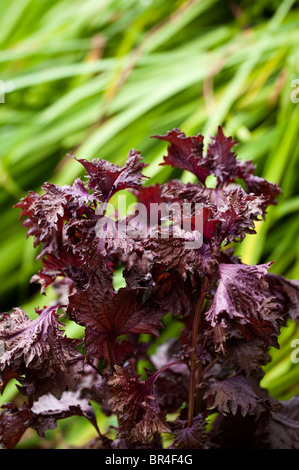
(97, 77)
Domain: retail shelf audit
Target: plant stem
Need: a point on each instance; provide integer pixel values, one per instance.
(200, 370)
(198, 395)
(156, 375)
(196, 323)
(109, 355)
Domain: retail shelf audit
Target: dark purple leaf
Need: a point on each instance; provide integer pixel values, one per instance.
(106, 178)
(283, 432)
(287, 293)
(189, 437)
(237, 394)
(38, 349)
(185, 153)
(243, 301)
(237, 212)
(107, 314)
(245, 357)
(13, 424)
(224, 160)
(135, 404)
(237, 432)
(262, 187)
(42, 416)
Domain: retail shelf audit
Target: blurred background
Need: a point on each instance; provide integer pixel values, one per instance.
(96, 78)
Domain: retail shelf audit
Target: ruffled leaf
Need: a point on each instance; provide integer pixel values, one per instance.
(189, 437)
(106, 178)
(237, 394)
(135, 404)
(283, 432)
(185, 153)
(38, 350)
(244, 302)
(107, 314)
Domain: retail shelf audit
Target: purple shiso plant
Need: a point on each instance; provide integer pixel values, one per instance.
(200, 387)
